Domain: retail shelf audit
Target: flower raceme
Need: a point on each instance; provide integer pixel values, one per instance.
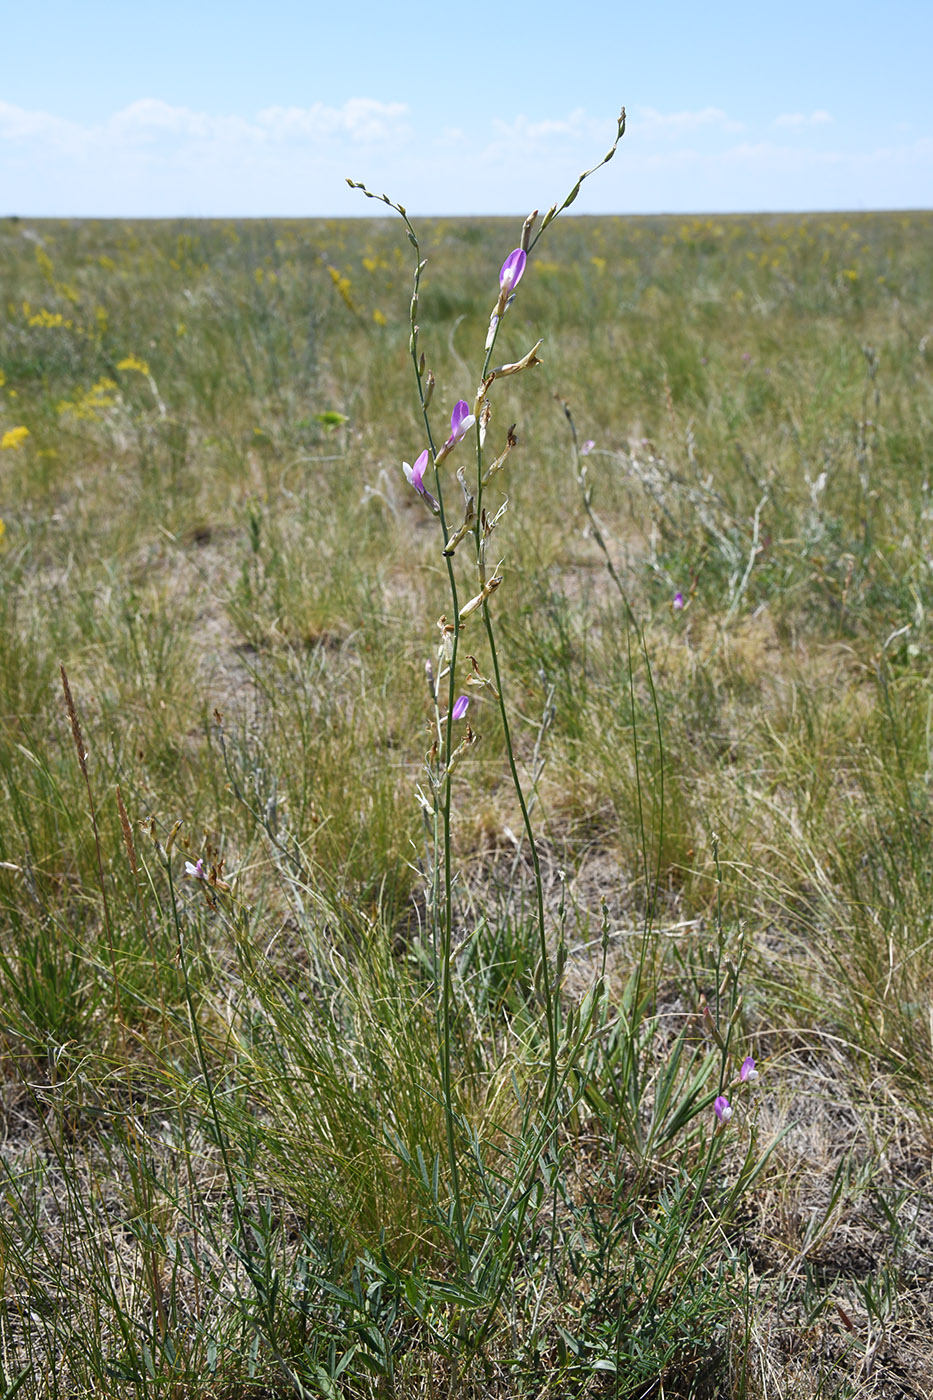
(721, 1105)
(461, 421)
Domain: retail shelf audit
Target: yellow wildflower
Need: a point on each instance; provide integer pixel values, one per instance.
(342, 283)
(92, 403)
(14, 437)
(47, 318)
(45, 264)
(380, 317)
(133, 362)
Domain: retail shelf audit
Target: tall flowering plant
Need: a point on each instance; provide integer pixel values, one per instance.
(464, 535)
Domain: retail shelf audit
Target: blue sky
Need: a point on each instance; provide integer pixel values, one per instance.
(211, 108)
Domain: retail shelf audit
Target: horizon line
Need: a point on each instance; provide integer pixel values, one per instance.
(19, 217)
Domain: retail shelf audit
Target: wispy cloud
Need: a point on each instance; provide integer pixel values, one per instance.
(152, 157)
(361, 120)
(650, 122)
(521, 133)
(800, 119)
(19, 125)
(156, 158)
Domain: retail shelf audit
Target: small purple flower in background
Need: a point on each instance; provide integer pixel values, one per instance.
(461, 421)
(723, 1109)
(197, 872)
(746, 358)
(460, 707)
(748, 1070)
(510, 274)
(678, 602)
(587, 447)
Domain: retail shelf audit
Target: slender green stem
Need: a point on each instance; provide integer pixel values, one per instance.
(442, 926)
(536, 866)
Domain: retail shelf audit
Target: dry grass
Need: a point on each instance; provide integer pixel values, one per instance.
(207, 524)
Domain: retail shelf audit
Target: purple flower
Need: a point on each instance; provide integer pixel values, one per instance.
(587, 447)
(461, 421)
(415, 475)
(510, 274)
(460, 707)
(197, 872)
(748, 1070)
(723, 1109)
(678, 602)
(746, 358)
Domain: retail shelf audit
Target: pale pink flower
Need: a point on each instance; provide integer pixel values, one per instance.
(748, 1070)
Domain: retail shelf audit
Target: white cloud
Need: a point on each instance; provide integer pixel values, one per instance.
(153, 158)
(798, 119)
(153, 123)
(22, 130)
(650, 122)
(361, 119)
(522, 133)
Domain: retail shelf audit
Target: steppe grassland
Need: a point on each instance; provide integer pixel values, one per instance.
(205, 520)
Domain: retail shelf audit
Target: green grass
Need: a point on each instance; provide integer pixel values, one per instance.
(225, 1157)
